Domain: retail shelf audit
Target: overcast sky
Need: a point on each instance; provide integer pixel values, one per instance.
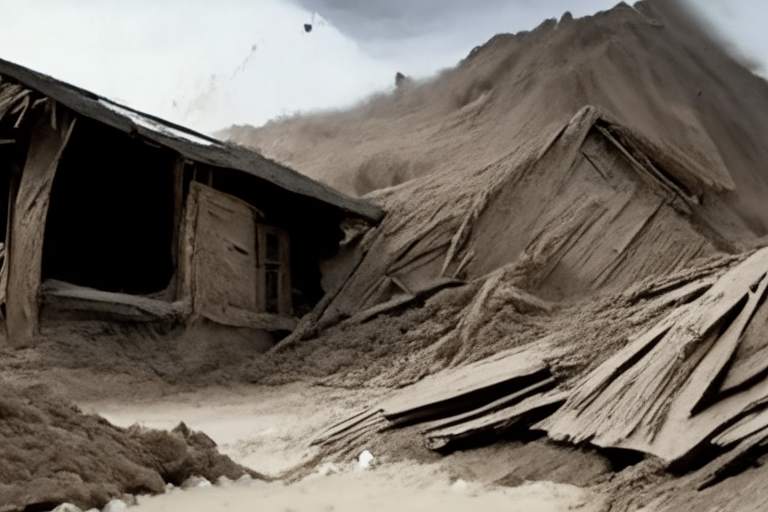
(212, 63)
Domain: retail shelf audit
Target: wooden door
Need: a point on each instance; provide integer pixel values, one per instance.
(219, 272)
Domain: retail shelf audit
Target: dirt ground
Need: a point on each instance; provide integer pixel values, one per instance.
(269, 428)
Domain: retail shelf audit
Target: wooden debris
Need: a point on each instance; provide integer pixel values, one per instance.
(400, 301)
(496, 422)
(462, 389)
(744, 428)
(458, 396)
(346, 424)
(653, 396)
(730, 462)
(494, 406)
(375, 423)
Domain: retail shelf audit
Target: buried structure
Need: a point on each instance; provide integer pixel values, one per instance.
(112, 214)
(594, 190)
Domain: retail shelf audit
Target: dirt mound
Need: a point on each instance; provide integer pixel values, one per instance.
(52, 453)
(570, 161)
(647, 66)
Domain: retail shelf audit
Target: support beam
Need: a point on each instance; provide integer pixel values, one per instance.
(48, 140)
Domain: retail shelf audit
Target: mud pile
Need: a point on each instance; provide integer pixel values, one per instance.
(52, 454)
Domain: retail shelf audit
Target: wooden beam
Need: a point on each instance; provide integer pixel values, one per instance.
(46, 148)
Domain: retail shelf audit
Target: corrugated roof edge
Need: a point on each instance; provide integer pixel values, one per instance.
(212, 151)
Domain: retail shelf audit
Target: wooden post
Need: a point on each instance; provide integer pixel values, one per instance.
(48, 140)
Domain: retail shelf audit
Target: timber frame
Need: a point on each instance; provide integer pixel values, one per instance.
(112, 214)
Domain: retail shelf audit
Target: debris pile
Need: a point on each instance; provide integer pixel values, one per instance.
(52, 454)
(594, 192)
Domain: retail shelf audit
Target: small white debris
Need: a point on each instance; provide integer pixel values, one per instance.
(365, 459)
(67, 507)
(115, 506)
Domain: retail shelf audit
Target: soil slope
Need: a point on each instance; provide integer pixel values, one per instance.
(647, 66)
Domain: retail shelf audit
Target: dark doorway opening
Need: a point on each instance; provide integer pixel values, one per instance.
(110, 221)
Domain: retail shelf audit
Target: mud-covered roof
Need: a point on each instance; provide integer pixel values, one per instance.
(192, 145)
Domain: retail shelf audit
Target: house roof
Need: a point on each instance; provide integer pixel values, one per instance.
(192, 145)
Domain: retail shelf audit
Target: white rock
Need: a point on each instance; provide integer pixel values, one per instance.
(67, 507)
(93, 510)
(115, 506)
(365, 459)
(245, 478)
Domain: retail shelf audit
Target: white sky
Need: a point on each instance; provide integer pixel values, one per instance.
(212, 63)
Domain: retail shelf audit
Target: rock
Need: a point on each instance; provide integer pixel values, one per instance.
(67, 507)
(365, 459)
(115, 506)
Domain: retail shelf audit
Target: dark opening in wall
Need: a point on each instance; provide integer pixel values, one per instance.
(110, 221)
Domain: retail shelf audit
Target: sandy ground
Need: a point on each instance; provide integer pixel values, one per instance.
(269, 428)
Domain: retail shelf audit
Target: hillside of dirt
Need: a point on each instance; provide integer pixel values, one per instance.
(649, 67)
(582, 204)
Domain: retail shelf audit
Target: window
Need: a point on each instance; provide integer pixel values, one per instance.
(274, 272)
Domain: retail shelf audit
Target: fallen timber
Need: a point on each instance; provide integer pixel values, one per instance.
(693, 383)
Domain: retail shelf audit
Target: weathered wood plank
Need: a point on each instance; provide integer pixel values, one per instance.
(345, 424)
(495, 422)
(30, 212)
(645, 405)
(455, 384)
(375, 423)
(707, 376)
(729, 463)
(744, 428)
(501, 403)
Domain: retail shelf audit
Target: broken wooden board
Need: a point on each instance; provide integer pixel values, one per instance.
(496, 422)
(344, 425)
(742, 429)
(501, 403)
(64, 301)
(730, 462)
(461, 389)
(373, 421)
(750, 363)
(403, 300)
(641, 399)
(705, 379)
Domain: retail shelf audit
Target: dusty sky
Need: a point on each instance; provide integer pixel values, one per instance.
(210, 64)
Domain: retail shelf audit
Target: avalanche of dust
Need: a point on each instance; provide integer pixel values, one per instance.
(434, 155)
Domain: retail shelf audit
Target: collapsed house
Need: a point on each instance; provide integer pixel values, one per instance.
(601, 166)
(112, 214)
